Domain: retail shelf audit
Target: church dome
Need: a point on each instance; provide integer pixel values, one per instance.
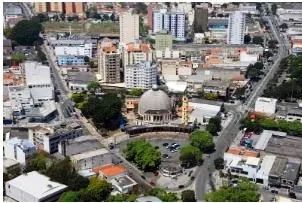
(154, 100)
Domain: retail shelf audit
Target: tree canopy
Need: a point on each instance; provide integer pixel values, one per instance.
(190, 156)
(257, 40)
(188, 196)
(136, 92)
(203, 140)
(26, 32)
(244, 191)
(247, 39)
(122, 198)
(18, 57)
(143, 154)
(163, 195)
(214, 125)
(69, 196)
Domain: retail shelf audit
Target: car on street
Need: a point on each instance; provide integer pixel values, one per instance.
(166, 156)
(165, 144)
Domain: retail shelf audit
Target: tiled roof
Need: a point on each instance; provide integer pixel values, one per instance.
(110, 170)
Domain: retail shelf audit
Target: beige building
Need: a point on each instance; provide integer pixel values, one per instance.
(41, 7)
(129, 27)
(109, 63)
(163, 41)
(136, 53)
(75, 8)
(56, 7)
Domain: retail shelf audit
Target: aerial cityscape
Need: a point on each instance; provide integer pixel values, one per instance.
(152, 102)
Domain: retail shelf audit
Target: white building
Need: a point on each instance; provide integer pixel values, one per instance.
(74, 47)
(20, 98)
(47, 138)
(91, 159)
(248, 8)
(123, 184)
(39, 82)
(266, 105)
(248, 58)
(174, 22)
(291, 12)
(34, 187)
(141, 75)
(236, 28)
(167, 54)
(18, 149)
(129, 27)
(136, 53)
(203, 110)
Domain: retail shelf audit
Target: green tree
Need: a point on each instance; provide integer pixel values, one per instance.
(214, 125)
(190, 156)
(86, 59)
(98, 190)
(106, 17)
(163, 195)
(37, 162)
(202, 140)
(78, 97)
(7, 32)
(257, 40)
(188, 196)
(274, 9)
(93, 86)
(272, 44)
(40, 18)
(136, 92)
(247, 39)
(210, 96)
(219, 163)
(122, 198)
(69, 196)
(143, 30)
(143, 154)
(26, 32)
(18, 57)
(283, 26)
(245, 191)
(140, 8)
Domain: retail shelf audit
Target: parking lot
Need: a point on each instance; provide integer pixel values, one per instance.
(170, 154)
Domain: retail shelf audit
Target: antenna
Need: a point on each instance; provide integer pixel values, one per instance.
(69, 30)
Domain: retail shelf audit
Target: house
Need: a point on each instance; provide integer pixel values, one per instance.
(110, 171)
(18, 149)
(10, 165)
(78, 81)
(123, 184)
(34, 187)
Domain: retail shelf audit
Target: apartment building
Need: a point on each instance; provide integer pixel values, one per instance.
(200, 19)
(163, 41)
(66, 60)
(129, 27)
(137, 52)
(20, 99)
(42, 7)
(172, 21)
(39, 82)
(109, 63)
(236, 28)
(141, 75)
(47, 138)
(18, 149)
(57, 7)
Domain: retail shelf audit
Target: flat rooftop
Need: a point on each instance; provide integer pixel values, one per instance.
(81, 144)
(89, 154)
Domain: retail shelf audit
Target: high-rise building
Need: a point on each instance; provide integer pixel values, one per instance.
(236, 28)
(137, 52)
(109, 63)
(57, 7)
(141, 75)
(42, 7)
(200, 19)
(163, 40)
(75, 8)
(129, 27)
(172, 21)
(150, 9)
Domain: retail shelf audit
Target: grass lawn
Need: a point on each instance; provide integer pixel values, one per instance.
(82, 27)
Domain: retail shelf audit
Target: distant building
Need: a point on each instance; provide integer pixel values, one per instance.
(200, 19)
(43, 189)
(266, 105)
(42, 7)
(220, 88)
(290, 12)
(150, 9)
(57, 7)
(78, 81)
(91, 159)
(163, 41)
(39, 82)
(48, 138)
(20, 98)
(136, 53)
(10, 165)
(65, 60)
(129, 27)
(141, 75)
(236, 28)
(75, 8)
(174, 22)
(18, 149)
(109, 63)
(42, 113)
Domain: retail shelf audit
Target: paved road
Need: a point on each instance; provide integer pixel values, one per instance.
(231, 131)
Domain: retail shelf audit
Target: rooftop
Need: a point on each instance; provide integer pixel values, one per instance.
(138, 47)
(123, 182)
(291, 171)
(81, 144)
(110, 170)
(81, 77)
(36, 73)
(22, 143)
(242, 151)
(265, 136)
(278, 166)
(42, 188)
(89, 154)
